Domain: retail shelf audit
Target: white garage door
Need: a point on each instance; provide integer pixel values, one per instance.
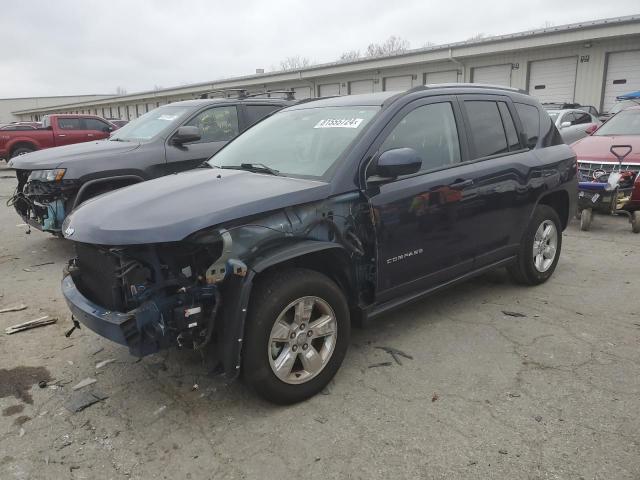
(360, 86)
(400, 83)
(623, 76)
(448, 76)
(329, 90)
(301, 92)
(553, 80)
(493, 75)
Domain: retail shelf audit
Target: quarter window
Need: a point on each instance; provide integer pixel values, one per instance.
(509, 127)
(431, 131)
(487, 131)
(218, 124)
(530, 118)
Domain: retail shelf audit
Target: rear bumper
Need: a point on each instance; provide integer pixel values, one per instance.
(118, 327)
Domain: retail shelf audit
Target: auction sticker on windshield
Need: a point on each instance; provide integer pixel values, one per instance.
(339, 123)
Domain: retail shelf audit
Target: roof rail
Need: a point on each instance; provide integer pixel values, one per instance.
(464, 85)
(241, 93)
(289, 94)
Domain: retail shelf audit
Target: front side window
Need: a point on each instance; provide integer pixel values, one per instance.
(69, 124)
(306, 143)
(487, 131)
(218, 124)
(431, 131)
(626, 122)
(95, 124)
(581, 118)
(151, 125)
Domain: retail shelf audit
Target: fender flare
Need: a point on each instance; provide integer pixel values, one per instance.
(236, 293)
(79, 196)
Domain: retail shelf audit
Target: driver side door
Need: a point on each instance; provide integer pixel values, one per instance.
(217, 125)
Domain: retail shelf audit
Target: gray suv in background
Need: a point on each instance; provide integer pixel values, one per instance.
(169, 139)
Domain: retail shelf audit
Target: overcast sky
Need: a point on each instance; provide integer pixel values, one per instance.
(64, 47)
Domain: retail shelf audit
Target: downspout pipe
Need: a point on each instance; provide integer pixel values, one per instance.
(458, 62)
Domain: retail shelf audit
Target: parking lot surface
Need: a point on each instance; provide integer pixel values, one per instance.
(550, 389)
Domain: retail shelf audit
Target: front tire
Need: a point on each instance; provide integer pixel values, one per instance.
(21, 151)
(298, 330)
(539, 249)
(635, 221)
(585, 219)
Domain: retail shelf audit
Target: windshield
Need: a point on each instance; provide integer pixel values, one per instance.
(298, 142)
(622, 105)
(150, 124)
(626, 122)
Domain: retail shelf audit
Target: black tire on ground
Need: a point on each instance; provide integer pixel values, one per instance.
(21, 151)
(523, 270)
(635, 221)
(271, 295)
(585, 219)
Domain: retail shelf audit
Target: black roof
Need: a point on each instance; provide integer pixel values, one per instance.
(251, 100)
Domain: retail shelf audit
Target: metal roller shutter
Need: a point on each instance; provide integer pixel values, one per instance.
(448, 76)
(553, 80)
(493, 75)
(400, 83)
(329, 90)
(360, 86)
(623, 76)
(301, 92)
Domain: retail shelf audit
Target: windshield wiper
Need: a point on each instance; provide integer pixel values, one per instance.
(253, 167)
(117, 140)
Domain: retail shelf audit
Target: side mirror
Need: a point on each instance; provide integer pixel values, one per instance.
(590, 130)
(185, 134)
(396, 162)
(107, 129)
(565, 124)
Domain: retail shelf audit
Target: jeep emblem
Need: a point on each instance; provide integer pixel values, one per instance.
(69, 231)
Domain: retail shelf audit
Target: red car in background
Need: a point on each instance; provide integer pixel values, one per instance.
(594, 155)
(56, 130)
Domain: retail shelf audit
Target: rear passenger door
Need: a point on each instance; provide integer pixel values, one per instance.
(217, 125)
(501, 167)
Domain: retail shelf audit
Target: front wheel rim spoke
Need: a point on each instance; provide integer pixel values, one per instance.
(303, 310)
(281, 332)
(311, 360)
(323, 326)
(284, 363)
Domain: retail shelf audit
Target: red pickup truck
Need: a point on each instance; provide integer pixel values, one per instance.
(56, 130)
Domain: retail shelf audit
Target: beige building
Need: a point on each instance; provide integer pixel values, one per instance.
(590, 63)
(10, 105)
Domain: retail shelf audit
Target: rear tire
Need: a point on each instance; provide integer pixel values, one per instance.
(585, 219)
(635, 221)
(280, 364)
(539, 249)
(21, 151)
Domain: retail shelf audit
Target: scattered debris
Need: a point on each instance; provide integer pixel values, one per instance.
(513, 314)
(471, 463)
(396, 354)
(97, 350)
(81, 400)
(104, 362)
(84, 383)
(537, 418)
(15, 308)
(435, 397)
(381, 364)
(502, 451)
(68, 346)
(38, 322)
(513, 395)
(42, 264)
(195, 387)
(321, 420)
(42, 384)
(21, 434)
(160, 410)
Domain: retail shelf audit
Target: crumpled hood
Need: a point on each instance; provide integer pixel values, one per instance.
(67, 155)
(595, 148)
(170, 208)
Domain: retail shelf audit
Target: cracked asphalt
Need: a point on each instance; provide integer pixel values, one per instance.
(554, 394)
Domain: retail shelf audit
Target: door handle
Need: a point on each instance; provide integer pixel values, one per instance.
(89, 134)
(460, 184)
(61, 135)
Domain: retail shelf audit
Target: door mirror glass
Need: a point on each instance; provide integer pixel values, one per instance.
(394, 163)
(565, 124)
(186, 134)
(590, 130)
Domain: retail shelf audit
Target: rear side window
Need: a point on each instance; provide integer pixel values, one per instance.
(530, 119)
(431, 131)
(486, 128)
(255, 113)
(69, 124)
(509, 127)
